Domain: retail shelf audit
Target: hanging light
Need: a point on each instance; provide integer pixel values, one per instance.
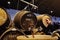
(9, 2)
(51, 11)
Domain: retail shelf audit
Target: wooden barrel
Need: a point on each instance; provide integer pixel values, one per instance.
(42, 20)
(25, 19)
(37, 37)
(10, 34)
(4, 20)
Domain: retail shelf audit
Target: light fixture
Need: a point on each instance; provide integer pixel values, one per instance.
(9, 2)
(51, 11)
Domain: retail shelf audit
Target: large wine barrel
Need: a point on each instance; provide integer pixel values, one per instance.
(25, 19)
(4, 20)
(43, 20)
(37, 37)
(10, 34)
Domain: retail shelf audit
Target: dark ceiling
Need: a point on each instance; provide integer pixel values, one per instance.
(44, 6)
